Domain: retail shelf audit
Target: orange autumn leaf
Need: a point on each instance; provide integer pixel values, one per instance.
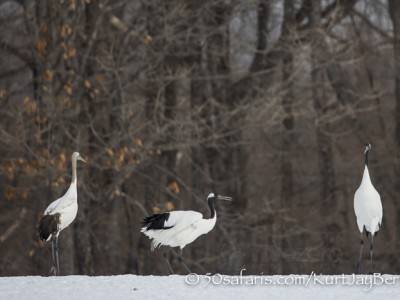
(138, 142)
(43, 26)
(118, 24)
(3, 93)
(87, 84)
(117, 192)
(9, 193)
(66, 30)
(100, 78)
(173, 187)
(48, 75)
(31, 252)
(155, 209)
(71, 52)
(68, 90)
(72, 5)
(169, 206)
(29, 105)
(24, 193)
(63, 157)
(110, 152)
(148, 39)
(41, 46)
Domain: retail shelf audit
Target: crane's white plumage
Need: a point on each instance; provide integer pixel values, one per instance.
(368, 210)
(179, 228)
(186, 226)
(60, 214)
(368, 205)
(66, 206)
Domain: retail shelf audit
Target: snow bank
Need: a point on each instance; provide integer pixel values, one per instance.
(201, 287)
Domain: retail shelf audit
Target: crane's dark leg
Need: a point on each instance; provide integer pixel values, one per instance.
(371, 252)
(57, 261)
(55, 269)
(358, 266)
(182, 262)
(166, 257)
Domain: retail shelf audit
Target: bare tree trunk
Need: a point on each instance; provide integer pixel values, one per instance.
(288, 126)
(394, 9)
(324, 146)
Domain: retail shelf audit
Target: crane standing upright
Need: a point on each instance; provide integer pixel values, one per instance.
(368, 210)
(59, 215)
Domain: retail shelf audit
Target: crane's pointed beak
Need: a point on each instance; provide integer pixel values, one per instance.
(224, 198)
(80, 158)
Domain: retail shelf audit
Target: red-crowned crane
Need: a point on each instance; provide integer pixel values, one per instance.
(179, 228)
(59, 215)
(368, 209)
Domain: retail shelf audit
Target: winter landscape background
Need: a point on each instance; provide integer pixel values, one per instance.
(267, 101)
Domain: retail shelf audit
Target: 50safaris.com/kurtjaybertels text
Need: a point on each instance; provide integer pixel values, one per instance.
(366, 281)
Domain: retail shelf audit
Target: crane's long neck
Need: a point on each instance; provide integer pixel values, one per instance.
(73, 180)
(212, 209)
(366, 179)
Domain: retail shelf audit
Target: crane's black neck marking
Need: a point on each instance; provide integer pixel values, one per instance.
(366, 157)
(211, 203)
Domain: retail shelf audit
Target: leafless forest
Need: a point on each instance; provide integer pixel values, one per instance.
(267, 101)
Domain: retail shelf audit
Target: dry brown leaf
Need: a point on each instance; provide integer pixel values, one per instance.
(43, 26)
(48, 75)
(3, 93)
(72, 5)
(30, 106)
(21, 161)
(24, 193)
(41, 46)
(66, 30)
(31, 252)
(138, 142)
(9, 193)
(109, 152)
(42, 118)
(68, 90)
(71, 52)
(148, 39)
(63, 157)
(100, 78)
(87, 84)
(169, 206)
(173, 187)
(155, 209)
(118, 24)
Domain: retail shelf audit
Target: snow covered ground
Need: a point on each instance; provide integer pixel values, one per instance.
(201, 287)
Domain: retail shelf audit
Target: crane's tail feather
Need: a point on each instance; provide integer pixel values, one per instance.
(152, 234)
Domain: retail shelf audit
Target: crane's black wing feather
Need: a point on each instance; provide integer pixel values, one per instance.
(48, 225)
(156, 221)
